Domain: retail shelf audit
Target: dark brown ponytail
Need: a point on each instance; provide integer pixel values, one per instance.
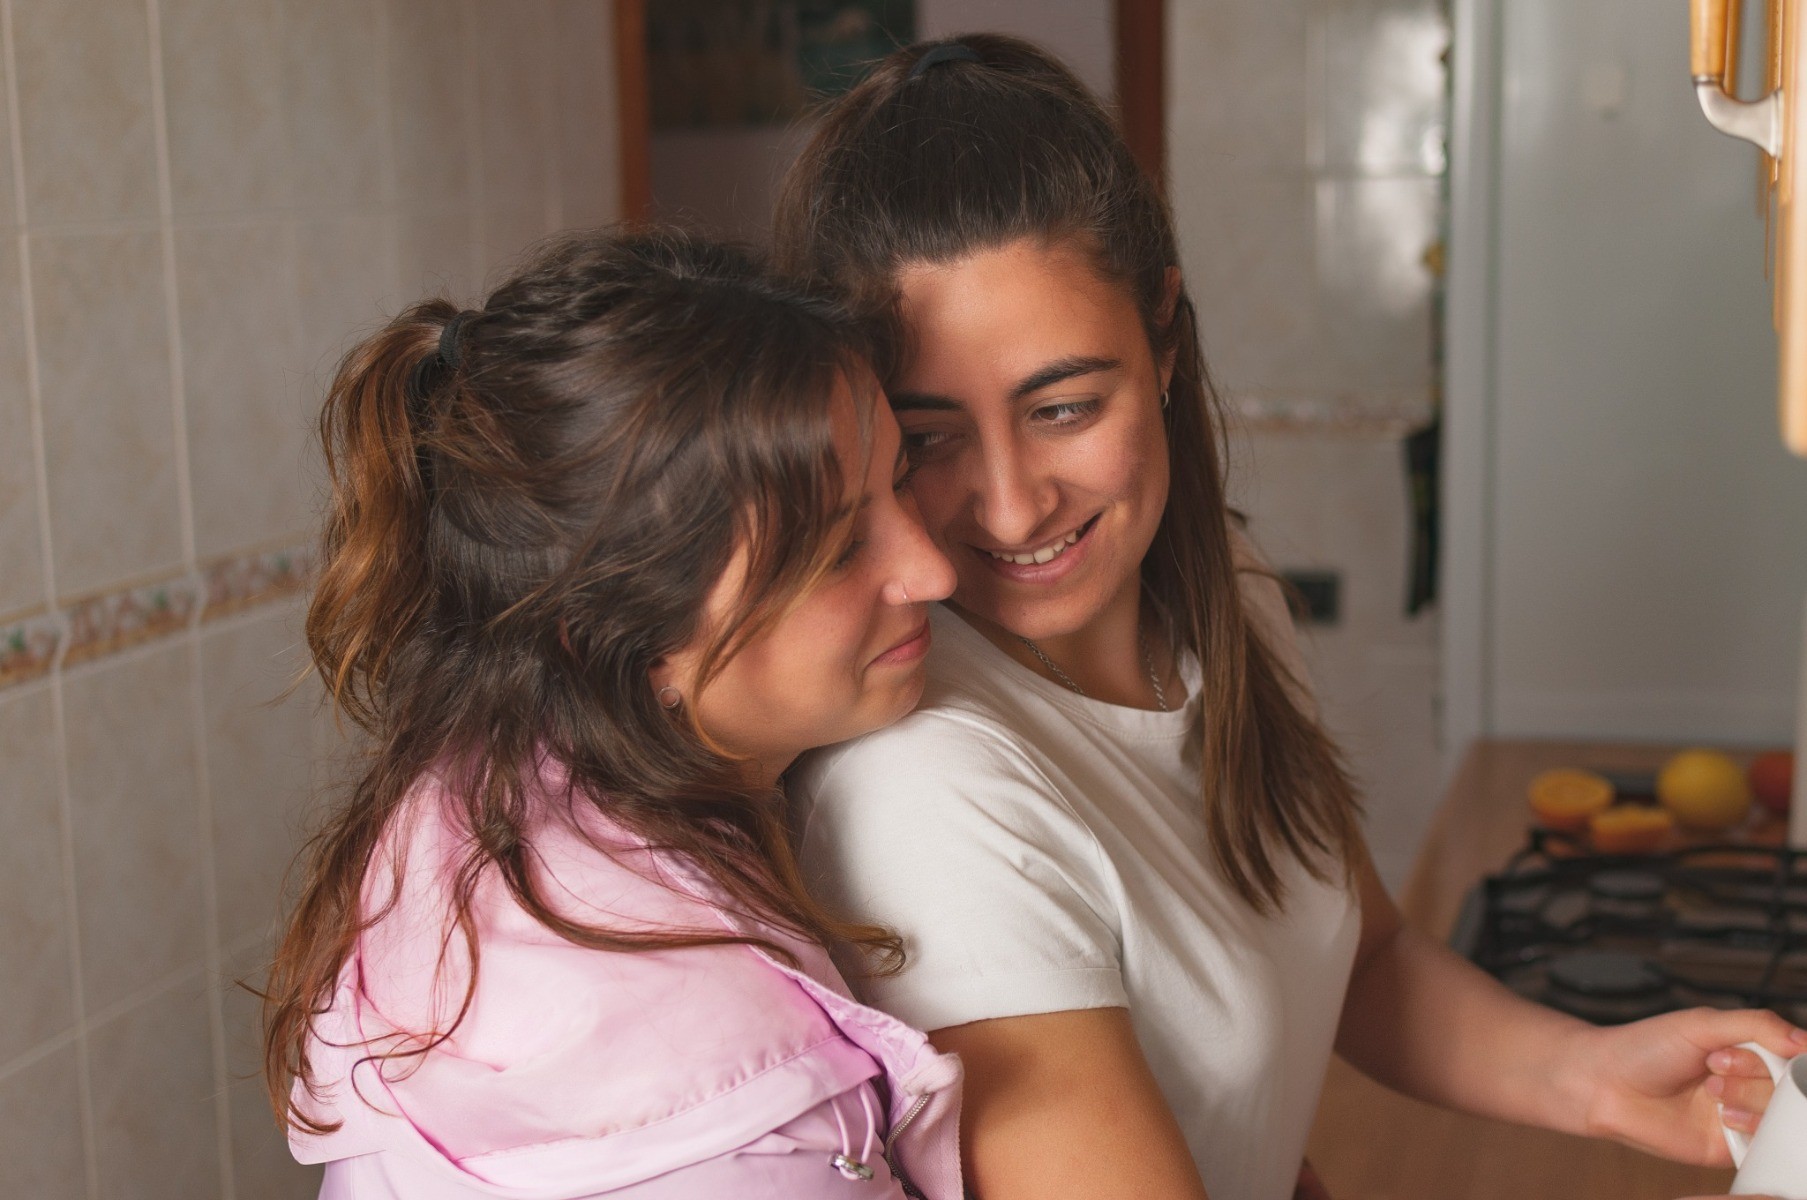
(530, 506)
(1004, 143)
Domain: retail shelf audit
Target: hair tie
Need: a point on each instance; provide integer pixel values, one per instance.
(448, 340)
(947, 52)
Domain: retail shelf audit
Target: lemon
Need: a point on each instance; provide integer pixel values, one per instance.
(1704, 789)
(1566, 797)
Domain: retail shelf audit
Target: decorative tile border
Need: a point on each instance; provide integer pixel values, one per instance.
(246, 580)
(114, 621)
(1370, 415)
(29, 646)
(92, 627)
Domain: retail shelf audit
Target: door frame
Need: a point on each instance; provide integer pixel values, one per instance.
(1141, 36)
(1466, 552)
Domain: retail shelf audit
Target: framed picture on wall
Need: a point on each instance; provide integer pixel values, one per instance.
(720, 64)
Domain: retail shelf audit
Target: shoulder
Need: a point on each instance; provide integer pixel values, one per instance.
(682, 1050)
(941, 773)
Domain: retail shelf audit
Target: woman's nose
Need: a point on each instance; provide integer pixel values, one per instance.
(922, 573)
(1008, 503)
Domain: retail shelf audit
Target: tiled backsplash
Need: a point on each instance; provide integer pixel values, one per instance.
(1306, 152)
(201, 203)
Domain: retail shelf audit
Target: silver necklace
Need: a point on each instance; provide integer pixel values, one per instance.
(1154, 679)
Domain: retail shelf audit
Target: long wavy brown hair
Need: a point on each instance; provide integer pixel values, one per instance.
(970, 155)
(530, 504)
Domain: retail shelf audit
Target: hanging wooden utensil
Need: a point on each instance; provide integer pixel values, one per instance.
(1771, 124)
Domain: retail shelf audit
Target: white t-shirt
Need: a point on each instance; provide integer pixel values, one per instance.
(1041, 852)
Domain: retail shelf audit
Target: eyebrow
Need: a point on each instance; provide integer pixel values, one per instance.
(1058, 371)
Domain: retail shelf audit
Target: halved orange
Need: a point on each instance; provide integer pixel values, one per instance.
(1631, 829)
(1566, 797)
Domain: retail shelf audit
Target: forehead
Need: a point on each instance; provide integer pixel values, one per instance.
(865, 432)
(1014, 307)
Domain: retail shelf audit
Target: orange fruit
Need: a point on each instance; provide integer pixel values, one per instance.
(1566, 797)
(1631, 829)
(1704, 790)
(1771, 777)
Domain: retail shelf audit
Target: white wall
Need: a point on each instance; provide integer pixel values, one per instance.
(1642, 536)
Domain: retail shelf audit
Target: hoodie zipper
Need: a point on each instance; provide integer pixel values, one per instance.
(903, 1177)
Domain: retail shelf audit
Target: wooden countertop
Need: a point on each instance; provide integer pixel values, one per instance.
(1373, 1144)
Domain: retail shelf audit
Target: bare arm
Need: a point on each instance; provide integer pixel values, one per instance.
(1063, 1104)
(1430, 1024)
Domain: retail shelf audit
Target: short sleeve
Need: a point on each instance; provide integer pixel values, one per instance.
(942, 830)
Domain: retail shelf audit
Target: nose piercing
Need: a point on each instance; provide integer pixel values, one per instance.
(905, 589)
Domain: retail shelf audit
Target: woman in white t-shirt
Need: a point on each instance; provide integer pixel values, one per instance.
(1124, 857)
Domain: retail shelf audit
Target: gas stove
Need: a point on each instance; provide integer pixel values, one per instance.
(1615, 938)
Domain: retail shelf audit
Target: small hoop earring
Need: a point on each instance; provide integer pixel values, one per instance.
(670, 697)
(1164, 398)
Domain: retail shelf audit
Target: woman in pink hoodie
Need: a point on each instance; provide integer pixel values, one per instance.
(602, 557)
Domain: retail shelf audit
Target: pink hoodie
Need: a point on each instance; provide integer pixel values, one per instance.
(705, 1072)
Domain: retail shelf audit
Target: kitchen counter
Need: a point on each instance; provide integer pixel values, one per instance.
(1373, 1144)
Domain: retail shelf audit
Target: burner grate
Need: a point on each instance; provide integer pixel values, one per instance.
(1615, 938)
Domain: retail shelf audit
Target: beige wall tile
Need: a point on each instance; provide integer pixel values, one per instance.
(1382, 92)
(21, 553)
(587, 107)
(9, 207)
(336, 107)
(431, 116)
(514, 102)
(262, 1166)
(436, 255)
(222, 79)
(1277, 482)
(109, 426)
(89, 147)
(241, 355)
(34, 920)
(345, 278)
(1372, 235)
(1237, 95)
(1251, 271)
(41, 1130)
(258, 763)
(151, 1075)
(136, 814)
(508, 235)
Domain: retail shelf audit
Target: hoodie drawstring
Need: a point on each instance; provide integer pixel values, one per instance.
(844, 1162)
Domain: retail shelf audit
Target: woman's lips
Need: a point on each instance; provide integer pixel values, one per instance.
(908, 650)
(1059, 567)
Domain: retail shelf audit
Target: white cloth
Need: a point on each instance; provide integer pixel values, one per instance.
(1041, 852)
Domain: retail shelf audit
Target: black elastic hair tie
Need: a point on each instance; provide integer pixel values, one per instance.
(947, 52)
(427, 372)
(448, 340)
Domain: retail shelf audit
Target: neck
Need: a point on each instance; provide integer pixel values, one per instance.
(1104, 656)
(766, 773)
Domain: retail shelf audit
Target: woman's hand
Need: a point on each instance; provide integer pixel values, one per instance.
(1659, 1084)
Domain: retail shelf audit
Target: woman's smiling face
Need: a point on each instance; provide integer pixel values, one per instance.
(1031, 411)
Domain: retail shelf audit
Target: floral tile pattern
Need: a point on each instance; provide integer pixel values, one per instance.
(115, 621)
(242, 581)
(106, 623)
(29, 645)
